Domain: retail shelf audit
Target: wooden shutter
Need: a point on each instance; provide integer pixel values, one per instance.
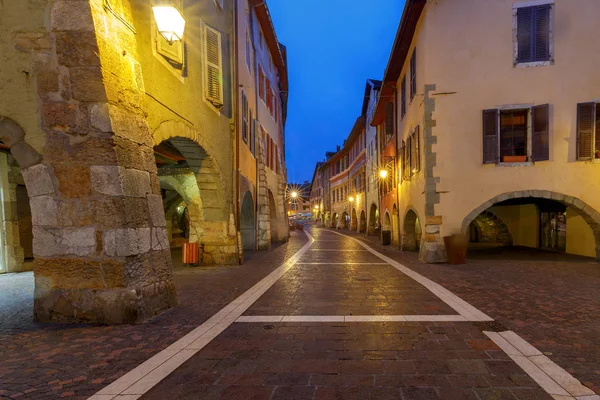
(541, 136)
(413, 71)
(409, 159)
(586, 113)
(490, 136)
(403, 97)
(525, 34)
(542, 33)
(213, 59)
(252, 134)
(245, 119)
(417, 140)
(403, 160)
(389, 120)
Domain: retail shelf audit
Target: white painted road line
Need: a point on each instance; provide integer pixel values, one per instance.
(340, 250)
(459, 305)
(343, 263)
(141, 379)
(553, 379)
(349, 318)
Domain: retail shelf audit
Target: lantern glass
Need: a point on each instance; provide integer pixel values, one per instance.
(169, 21)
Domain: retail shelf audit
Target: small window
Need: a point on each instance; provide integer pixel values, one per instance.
(516, 135)
(245, 124)
(533, 34)
(588, 131)
(213, 60)
(413, 74)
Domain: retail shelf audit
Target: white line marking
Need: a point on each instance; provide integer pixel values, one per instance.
(146, 375)
(552, 378)
(458, 304)
(331, 263)
(350, 318)
(342, 250)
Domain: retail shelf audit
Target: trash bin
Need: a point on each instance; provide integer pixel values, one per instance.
(386, 238)
(190, 253)
(456, 248)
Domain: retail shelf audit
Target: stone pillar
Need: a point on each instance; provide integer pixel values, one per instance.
(101, 248)
(283, 226)
(432, 248)
(11, 253)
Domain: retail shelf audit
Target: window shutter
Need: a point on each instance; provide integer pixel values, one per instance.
(586, 113)
(389, 119)
(403, 160)
(244, 117)
(542, 33)
(409, 159)
(490, 136)
(417, 140)
(541, 136)
(213, 66)
(403, 97)
(413, 71)
(525, 34)
(252, 134)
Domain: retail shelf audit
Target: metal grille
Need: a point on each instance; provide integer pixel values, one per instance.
(490, 326)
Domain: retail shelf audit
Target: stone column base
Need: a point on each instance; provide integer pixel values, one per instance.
(226, 254)
(108, 306)
(432, 253)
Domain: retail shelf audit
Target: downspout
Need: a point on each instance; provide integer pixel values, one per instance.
(236, 125)
(397, 169)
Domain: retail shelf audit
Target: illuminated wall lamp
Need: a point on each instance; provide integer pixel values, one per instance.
(169, 21)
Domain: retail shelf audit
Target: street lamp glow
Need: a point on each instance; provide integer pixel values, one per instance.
(351, 199)
(383, 173)
(169, 21)
(294, 195)
(317, 207)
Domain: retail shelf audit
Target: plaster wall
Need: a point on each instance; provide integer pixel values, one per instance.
(522, 222)
(580, 237)
(473, 72)
(25, 24)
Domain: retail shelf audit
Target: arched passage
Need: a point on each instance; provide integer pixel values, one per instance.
(273, 218)
(545, 219)
(373, 223)
(387, 222)
(187, 169)
(353, 220)
(362, 223)
(411, 239)
(488, 228)
(345, 222)
(247, 223)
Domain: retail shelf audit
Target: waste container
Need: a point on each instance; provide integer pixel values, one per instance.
(190, 253)
(386, 238)
(456, 248)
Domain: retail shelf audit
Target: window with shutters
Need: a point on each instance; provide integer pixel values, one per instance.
(403, 97)
(415, 152)
(213, 66)
(261, 83)
(588, 131)
(413, 74)
(245, 118)
(532, 34)
(253, 128)
(516, 134)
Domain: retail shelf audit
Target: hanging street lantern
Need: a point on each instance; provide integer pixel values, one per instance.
(169, 21)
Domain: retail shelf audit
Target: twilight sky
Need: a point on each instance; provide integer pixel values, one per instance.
(333, 47)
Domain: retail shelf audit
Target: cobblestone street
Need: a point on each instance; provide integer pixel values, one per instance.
(339, 322)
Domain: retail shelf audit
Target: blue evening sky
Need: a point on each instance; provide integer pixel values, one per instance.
(333, 47)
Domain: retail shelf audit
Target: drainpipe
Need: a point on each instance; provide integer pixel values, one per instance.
(396, 169)
(256, 134)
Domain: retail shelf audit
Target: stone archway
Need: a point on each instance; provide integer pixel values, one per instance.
(334, 221)
(345, 223)
(488, 228)
(362, 224)
(387, 222)
(353, 220)
(247, 223)
(373, 223)
(589, 214)
(186, 167)
(411, 238)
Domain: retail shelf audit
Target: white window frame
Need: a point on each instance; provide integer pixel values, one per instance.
(526, 4)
